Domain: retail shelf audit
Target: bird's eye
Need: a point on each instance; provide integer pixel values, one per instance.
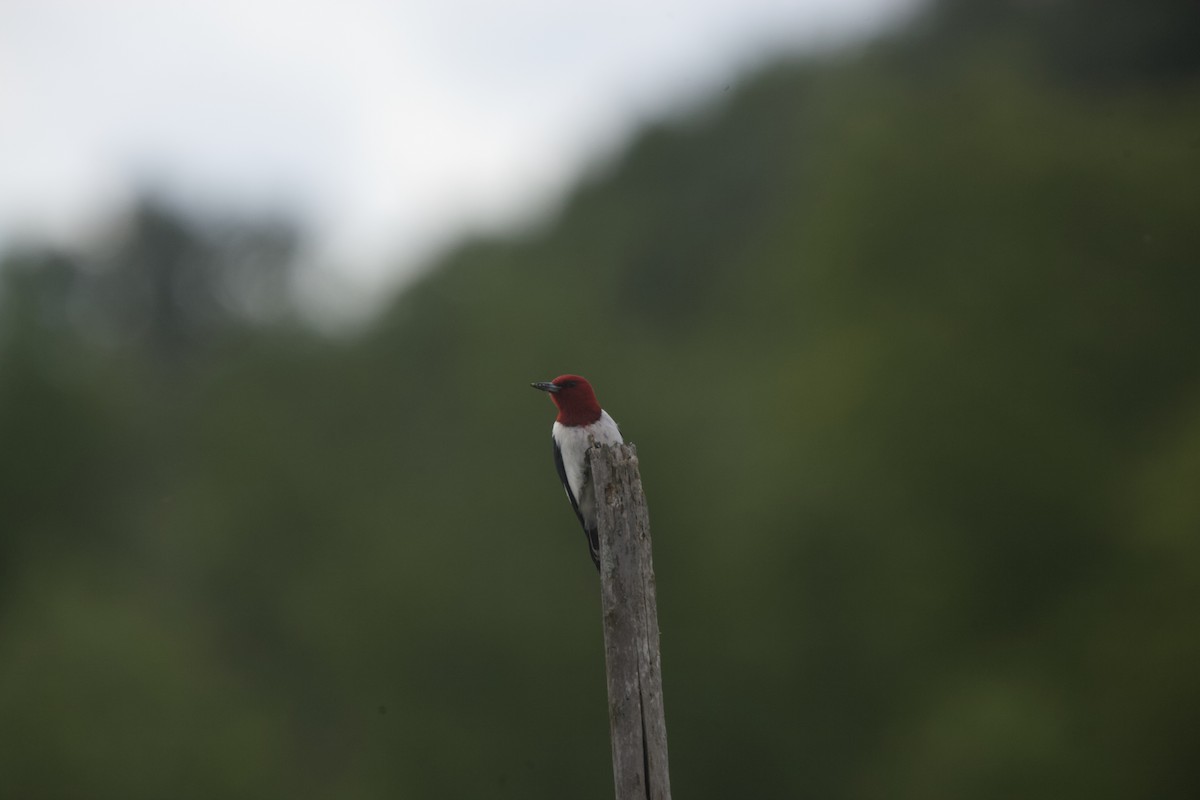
(570, 384)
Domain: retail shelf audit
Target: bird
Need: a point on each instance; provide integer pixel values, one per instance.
(581, 423)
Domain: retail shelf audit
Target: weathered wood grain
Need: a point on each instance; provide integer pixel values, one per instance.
(637, 720)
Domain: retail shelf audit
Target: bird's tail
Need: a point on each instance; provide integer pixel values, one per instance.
(593, 536)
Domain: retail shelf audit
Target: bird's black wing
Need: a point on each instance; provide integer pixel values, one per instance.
(593, 536)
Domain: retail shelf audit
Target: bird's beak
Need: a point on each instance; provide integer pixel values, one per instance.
(545, 386)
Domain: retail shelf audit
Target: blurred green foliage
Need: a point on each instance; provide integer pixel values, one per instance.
(907, 341)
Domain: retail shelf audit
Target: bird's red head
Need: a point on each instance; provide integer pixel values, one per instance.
(573, 395)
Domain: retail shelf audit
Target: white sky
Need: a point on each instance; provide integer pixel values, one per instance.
(386, 127)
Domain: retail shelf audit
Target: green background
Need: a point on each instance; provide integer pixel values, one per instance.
(907, 340)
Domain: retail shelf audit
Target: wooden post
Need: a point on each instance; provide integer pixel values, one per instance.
(634, 666)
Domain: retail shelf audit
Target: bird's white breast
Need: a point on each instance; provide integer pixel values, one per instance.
(574, 441)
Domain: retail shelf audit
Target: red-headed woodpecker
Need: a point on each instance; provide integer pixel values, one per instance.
(581, 423)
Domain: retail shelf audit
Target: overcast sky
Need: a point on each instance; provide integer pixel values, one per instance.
(386, 127)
